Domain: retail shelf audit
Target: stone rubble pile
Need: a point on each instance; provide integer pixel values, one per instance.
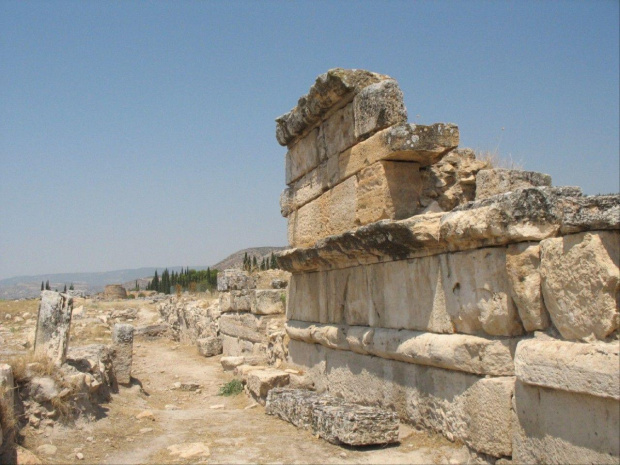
(480, 303)
(333, 419)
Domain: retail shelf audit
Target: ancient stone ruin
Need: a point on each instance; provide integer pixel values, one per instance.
(475, 302)
(114, 291)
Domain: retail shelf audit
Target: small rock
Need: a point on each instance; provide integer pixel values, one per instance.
(146, 414)
(343, 454)
(79, 456)
(189, 386)
(249, 407)
(145, 430)
(47, 449)
(217, 407)
(176, 385)
(90, 439)
(186, 451)
(171, 407)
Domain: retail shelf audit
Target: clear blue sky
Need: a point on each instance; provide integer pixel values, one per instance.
(142, 133)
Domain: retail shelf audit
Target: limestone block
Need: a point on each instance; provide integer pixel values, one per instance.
(236, 301)
(295, 405)
(122, 341)
(559, 427)
(236, 347)
(592, 369)
(243, 371)
(426, 397)
(378, 106)
(302, 157)
(477, 292)
(264, 279)
(523, 269)
(529, 214)
(230, 363)
(260, 382)
(337, 133)
(355, 425)
(114, 291)
(53, 325)
(595, 212)
(492, 182)
(249, 326)
(233, 279)
(404, 142)
(43, 389)
(268, 302)
(460, 352)
(581, 283)
(338, 209)
(7, 383)
(209, 346)
(331, 91)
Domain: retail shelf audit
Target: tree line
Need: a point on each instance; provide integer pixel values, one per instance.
(184, 280)
(45, 286)
(252, 264)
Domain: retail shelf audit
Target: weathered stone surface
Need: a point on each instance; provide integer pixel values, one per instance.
(490, 182)
(427, 397)
(581, 283)
(114, 291)
(331, 90)
(233, 279)
(236, 301)
(7, 383)
(209, 346)
(595, 212)
(260, 382)
(122, 342)
(355, 425)
(466, 292)
(523, 269)
(337, 133)
(190, 319)
(460, 352)
(230, 363)
(243, 371)
(43, 389)
(592, 369)
(248, 326)
(404, 142)
(234, 346)
(96, 360)
(378, 106)
(302, 157)
(264, 279)
(53, 325)
(268, 302)
(333, 419)
(559, 427)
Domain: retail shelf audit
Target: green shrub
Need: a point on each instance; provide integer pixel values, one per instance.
(232, 388)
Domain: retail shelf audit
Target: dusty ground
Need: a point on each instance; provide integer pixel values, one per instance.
(234, 429)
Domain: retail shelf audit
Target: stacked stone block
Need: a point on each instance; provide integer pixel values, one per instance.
(252, 313)
(484, 306)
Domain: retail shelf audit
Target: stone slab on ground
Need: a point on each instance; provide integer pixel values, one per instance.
(333, 419)
(260, 382)
(230, 363)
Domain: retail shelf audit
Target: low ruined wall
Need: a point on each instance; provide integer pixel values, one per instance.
(477, 302)
(252, 320)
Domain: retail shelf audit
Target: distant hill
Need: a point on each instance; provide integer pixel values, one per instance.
(91, 283)
(235, 260)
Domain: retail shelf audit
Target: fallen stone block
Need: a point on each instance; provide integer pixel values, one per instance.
(260, 382)
(53, 325)
(122, 343)
(230, 363)
(581, 283)
(296, 405)
(590, 213)
(243, 371)
(496, 181)
(592, 369)
(152, 330)
(209, 346)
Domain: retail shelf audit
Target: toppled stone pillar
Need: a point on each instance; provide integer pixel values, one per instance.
(122, 340)
(53, 325)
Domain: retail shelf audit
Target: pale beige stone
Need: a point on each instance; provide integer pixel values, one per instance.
(122, 344)
(236, 301)
(378, 106)
(7, 383)
(249, 326)
(592, 369)
(302, 157)
(233, 346)
(53, 326)
(559, 427)
(268, 301)
(261, 381)
(471, 354)
(581, 283)
(338, 207)
(243, 371)
(523, 268)
(496, 181)
(337, 133)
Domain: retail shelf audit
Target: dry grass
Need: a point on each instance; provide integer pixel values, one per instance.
(17, 308)
(493, 159)
(7, 413)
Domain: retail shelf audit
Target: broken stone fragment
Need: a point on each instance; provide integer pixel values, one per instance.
(233, 279)
(581, 283)
(268, 301)
(43, 389)
(230, 363)
(122, 341)
(260, 382)
(209, 346)
(236, 301)
(492, 182)
(378, 106)
(53, 326)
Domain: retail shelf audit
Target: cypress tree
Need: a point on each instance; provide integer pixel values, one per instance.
(71, 287)
(42, 286)
(47, 285)
(65, 289)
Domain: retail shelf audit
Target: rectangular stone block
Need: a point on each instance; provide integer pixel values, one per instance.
(422, 145)
(559, 427)
(236, 347)
(435, 399)
(385, 190)
(260, 382)
(492, 182)
(302, 157)
(209, 346)
(233, 279)
(122, 345)
(592, 369)
(53, 325)
(337, 133)
(249, 326)
(236, 301)
(463, 292)
(269, 301)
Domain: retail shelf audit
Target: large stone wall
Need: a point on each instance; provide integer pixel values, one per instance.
(477, 302)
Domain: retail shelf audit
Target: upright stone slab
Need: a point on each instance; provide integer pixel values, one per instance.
(53, 325)
(122, 340)
(7, 383)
